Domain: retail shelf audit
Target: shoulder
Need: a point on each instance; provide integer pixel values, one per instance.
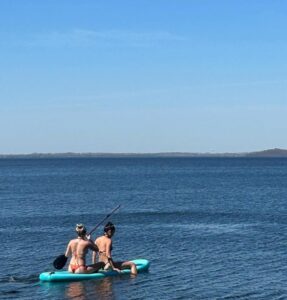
(99, 239)
(72, 242)
(83, 242)
(108, 241)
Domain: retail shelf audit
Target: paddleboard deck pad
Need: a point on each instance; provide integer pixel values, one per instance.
(142, 265)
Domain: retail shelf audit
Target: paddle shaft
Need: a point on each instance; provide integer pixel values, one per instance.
(104, 219)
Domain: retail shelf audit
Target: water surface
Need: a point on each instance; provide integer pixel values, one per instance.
(212, 228)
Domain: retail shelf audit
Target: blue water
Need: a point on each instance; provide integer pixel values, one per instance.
(212, 228)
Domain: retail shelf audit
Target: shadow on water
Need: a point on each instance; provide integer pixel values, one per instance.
(8, 294)
(13, 287)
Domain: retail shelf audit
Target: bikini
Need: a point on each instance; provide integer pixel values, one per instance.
(104, 252)
(76, 266)
(106, 263)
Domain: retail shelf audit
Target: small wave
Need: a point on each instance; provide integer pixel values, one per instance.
(12, 279)
(208, 228)
(19, 279)
(246, 295)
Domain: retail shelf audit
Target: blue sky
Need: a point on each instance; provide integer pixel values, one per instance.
(143, 75)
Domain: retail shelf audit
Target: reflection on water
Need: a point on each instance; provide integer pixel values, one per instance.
(101, 289)
(75, 290)
(104, 289)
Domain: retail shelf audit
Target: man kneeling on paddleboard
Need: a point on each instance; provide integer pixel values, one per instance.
(78, 249)
(104, 245)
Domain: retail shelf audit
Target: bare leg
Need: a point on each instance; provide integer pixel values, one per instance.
(94, 268)
(90, 269)
(127, 265)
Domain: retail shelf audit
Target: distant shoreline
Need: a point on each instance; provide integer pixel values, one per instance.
(265, 153)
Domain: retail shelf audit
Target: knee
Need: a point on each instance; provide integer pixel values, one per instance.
(81, 269)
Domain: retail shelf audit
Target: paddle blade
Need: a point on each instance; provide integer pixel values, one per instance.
(60, 261)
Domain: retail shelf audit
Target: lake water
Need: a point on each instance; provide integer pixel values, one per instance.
(212, 228)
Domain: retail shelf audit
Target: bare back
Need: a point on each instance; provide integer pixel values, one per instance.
(78, 248)
(105, 247)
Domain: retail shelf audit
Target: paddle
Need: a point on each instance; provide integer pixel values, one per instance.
(61, 260)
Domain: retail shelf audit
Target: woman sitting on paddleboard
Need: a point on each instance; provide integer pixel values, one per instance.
(78, 249)
(104, 244)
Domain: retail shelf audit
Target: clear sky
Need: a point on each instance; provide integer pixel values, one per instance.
(143, 75)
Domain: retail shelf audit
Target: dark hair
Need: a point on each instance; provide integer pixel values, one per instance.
(109, 226)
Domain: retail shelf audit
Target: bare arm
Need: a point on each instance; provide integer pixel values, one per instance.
(108, 247)
(93, 246)
(68, 250)
(94, 256)
(109, 255)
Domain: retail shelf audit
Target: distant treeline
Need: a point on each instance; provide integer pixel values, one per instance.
(265, 153)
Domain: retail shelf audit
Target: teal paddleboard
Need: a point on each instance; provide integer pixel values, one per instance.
(142, 265)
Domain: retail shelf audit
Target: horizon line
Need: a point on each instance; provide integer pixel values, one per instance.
(173, 153)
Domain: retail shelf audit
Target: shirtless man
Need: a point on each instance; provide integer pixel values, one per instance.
(78, 249)
(104, 244)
